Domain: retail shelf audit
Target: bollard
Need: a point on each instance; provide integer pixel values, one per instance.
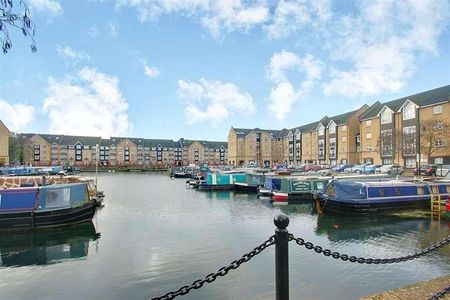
(281, 257)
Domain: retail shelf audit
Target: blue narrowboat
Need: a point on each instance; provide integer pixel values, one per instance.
(30, 171)
(380, 196)
(45, 206)
(270, 184)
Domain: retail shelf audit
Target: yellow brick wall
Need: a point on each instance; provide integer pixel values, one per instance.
(4, 144)
(426, 113)
(374, 142)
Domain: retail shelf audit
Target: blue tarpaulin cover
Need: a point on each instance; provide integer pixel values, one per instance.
(347, 190)
(63, 195)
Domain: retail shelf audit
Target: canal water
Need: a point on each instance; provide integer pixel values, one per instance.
(155, 235)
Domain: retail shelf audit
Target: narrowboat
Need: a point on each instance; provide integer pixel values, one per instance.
(217, 181)
(30, 171)
(380, 196)
(298, 190)
(45, 206)
(250, 183)
(270, 184)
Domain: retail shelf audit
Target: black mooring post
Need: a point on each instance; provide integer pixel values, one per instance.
(281, 257)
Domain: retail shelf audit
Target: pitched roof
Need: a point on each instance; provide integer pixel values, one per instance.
(342, 118)
(163, 143)
(84, 140)
(242, 132)
(3, 125)
(434, 96)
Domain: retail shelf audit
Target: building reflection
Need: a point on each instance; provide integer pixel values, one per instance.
(44, 247)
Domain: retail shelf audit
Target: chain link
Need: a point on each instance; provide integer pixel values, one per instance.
(221, 272)
(441, 294)
(362, 260)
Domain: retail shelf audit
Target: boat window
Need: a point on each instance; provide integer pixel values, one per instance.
(381, 192)
(57, 198)
(435, 189)
(420, 190)
(448, 188)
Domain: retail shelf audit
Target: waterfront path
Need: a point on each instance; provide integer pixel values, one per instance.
(418, 291)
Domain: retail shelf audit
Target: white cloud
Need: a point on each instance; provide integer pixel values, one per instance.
(16, 116)
(151, 72)
(113, 28)
(291, 16)
(293, 76)
(89, 104)
(72, 54)
(218, 17)
(47, 6)
(212, 101)
(383, 44)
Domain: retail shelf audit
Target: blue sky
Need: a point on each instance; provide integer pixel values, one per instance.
(193, 68)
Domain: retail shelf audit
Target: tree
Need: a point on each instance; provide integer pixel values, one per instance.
(12, 19)
(16, 149)
(434, 134)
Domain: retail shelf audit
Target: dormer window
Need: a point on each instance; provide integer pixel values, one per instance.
(291, 136)
(386, 116)
(409, 112)
(321, 129)
(332, 128)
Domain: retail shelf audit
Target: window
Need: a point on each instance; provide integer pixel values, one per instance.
(409, 112)
(78, 147)
(298, 135)
(439, 160)
(332, 128)
(437, 109)
(438, 126)
(344, 128)
(78, 158)
(57, 198)
(368, 135)
(291, 136)
(410, 163)
(368, 123)
(321, 129)
(386, 116)
(438, 143)
(344, 138)
(369, 148)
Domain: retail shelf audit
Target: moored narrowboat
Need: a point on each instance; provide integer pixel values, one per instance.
(270, 184)
(298, 190)
(380, 196)
(46, 206)
(250, 183)
(217, 181)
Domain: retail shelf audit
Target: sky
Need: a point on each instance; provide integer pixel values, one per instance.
(194, 68)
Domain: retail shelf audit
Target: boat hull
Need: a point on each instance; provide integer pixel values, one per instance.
(246, 188)
(215, 187)
(366, 207)
(47, 218)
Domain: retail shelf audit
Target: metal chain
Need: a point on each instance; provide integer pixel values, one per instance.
(221, 272)
(362, 260)
(441, 294)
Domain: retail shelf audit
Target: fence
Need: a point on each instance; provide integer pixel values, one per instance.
(281, 240)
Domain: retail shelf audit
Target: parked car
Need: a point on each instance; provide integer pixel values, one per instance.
(429, 170)
(311, 167)
(341, 167)
(392, 169)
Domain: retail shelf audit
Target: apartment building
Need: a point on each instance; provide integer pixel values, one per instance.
(256, 145)
(82, 151)
(4, 144)
(386, 132)
(393, 131)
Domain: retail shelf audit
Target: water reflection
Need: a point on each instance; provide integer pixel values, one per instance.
(338, 227)
(44, 247)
